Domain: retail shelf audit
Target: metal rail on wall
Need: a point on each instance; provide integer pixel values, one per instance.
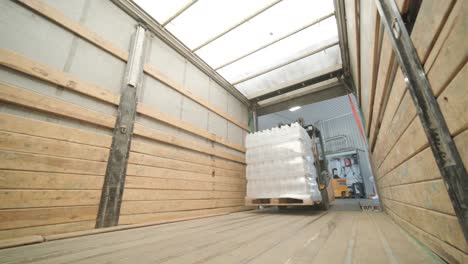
(442, 145)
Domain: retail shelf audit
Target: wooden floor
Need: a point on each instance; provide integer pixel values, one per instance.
(344, 234)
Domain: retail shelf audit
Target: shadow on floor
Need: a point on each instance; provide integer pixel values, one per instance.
(337, 205)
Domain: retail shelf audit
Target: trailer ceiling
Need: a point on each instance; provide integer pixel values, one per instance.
(257, 46)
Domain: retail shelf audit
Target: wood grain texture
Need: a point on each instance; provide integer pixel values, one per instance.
(448, 24)
(431, 19)
(453, 53)
(396, 95)
(36, 162)
(421, 167)
(369, 29)
(412, 141)
(155, 161)
(166, 184)
(157, 183)
(141, 218)
(409, 180)
(441, 248)
(17, 218)
(57, 17)
(402, 119)
(387, 59)
(37, 101)
(33, 100)
(30, 144)
(41, 71)
(13, 199)
(27, 126)
(160, 149)
(454, 108)
(21, 241)
(139, 207)
(253, 237)
(151, 195)
(34, 180)
(453, 102)
(47, 229)
(188, 144)
(51, 175)
(444, 227)
(164, 173)
(176, 122)
(158, 75)
(44, 72)
(430, 195)
(426, 32)
(85, 33)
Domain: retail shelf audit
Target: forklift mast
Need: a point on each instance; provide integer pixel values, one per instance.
(320, 160)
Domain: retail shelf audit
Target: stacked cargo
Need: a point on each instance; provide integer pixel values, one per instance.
(280, 164)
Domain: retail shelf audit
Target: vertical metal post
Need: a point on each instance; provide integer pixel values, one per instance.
(445, 152)
(340, 16)
(112, 190)
(254, 118)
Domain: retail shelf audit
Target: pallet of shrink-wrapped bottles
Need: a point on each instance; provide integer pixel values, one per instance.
(280, 167)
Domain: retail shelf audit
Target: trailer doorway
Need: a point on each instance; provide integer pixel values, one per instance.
(345, 148)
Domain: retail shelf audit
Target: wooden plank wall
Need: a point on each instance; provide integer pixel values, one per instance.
(58, 102)
(409, 182)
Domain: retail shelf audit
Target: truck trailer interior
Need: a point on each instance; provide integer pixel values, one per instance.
(126, 131)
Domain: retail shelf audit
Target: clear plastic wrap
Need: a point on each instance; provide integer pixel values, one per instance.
(280, 164)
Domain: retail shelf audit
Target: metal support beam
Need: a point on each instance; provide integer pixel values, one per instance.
(275, 41)
(442, 145)
(342, 35)
(236, 25)
(179, 12)
(314, 97)
(255, 118)
(112, 190)
(286, 63)
(299, 85)
(141, 16)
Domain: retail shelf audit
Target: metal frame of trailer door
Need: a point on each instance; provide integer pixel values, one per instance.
(441, 142)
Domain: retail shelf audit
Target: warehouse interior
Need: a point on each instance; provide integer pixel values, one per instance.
(342, 137)
(123, 128)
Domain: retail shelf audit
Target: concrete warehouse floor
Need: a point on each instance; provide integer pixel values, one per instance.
(345, 234)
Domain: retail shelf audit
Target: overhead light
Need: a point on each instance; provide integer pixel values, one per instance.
(292, 109)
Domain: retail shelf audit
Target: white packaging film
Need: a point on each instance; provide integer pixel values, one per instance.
(280, 164)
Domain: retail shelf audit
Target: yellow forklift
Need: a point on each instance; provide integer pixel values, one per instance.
(340, 188)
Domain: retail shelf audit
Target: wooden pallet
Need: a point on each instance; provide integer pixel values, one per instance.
(278, 201)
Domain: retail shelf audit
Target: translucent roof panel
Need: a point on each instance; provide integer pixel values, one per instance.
(295, 46)
(208, 18)
(316, 64)
(257, 45)
(162, 10)
(275, 23)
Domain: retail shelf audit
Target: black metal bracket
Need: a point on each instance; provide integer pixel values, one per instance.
(443, 147)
